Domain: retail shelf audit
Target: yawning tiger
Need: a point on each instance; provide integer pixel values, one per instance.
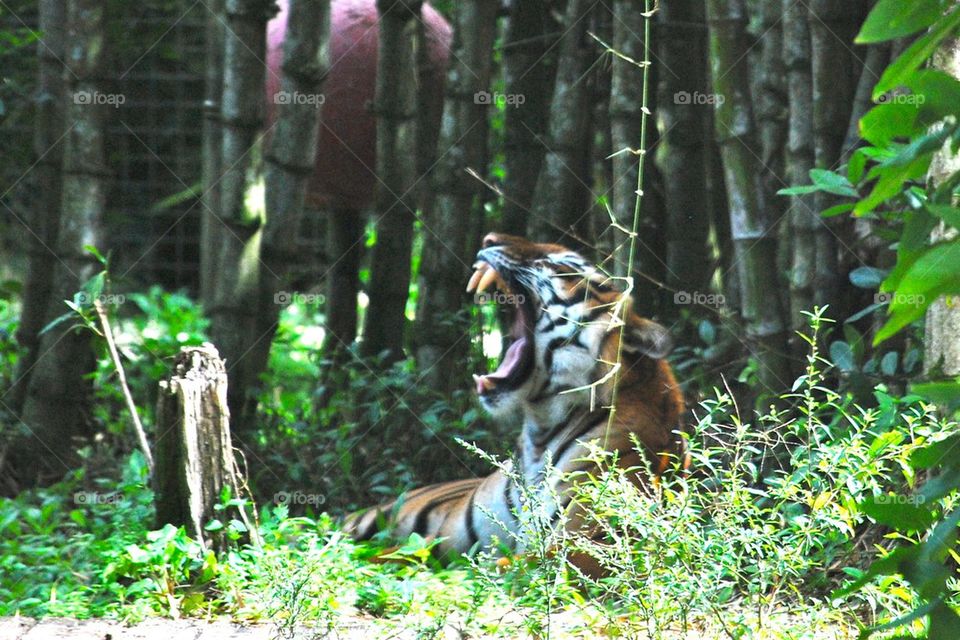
(557, 373)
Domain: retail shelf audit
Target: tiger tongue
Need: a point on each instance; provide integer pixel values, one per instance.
(511, 360)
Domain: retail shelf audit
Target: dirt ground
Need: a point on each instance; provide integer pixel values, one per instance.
(18, 628)
(160, 629)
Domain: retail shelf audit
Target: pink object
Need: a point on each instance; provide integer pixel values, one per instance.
(346, 153)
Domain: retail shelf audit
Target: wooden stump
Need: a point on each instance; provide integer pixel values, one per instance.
(194, 454)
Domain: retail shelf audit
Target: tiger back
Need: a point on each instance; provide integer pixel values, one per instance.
(557, 373)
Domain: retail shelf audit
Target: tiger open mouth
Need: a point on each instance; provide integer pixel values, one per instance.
(517, 359)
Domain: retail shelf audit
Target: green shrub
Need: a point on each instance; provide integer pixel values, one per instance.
(734, 544)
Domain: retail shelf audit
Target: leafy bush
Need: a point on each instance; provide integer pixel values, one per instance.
(9, 320)
(360, 431)
(736, 544)
(887, 180)
(55, 543)
(725, 548)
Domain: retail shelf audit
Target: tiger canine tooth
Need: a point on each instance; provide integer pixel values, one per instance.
(483, 383)
(488, 278)
(474, 279)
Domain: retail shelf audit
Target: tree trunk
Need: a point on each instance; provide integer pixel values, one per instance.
(868, 245)
(194, 452)
(681, 155)
(233, 312)
(832, 24)
(720, 218)
(48, 162)
(942, 343)
(445, 264)
(750, 227)
(528, 70)
(395, 106)
(55, 406)
(560, 197)
(212, 150)
(805, 223)
(290, 162)
(772, 115)
(345, 248)
(877, 58)
(601, 249)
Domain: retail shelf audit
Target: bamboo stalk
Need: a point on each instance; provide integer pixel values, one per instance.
(750, 227)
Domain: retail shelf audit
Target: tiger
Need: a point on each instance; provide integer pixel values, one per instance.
(558, 377)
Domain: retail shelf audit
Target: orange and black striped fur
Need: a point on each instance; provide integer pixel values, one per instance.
(565, 337)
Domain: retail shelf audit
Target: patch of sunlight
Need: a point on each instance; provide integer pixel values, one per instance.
(255, 199)
(312, 337)
(492, 343)
(151, 331)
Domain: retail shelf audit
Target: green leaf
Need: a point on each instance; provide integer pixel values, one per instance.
(950, 215)
(913, 242)
(886, 566)
(945, 393)
(916, 54)
(833, 182)
(944, 193)
(886, 122)
(935, 95)
(892, 177)
(864, 312)
(889, 362)
(57, 321)
(944, 623)
(137, 555)
(842, 356)
(867, 277)
(856, 165)
(907, 618)
(935, 454)
(892, 19)
(942, 484)
(193, 191)
(837, 210)
(898, 512)
(934, 548)
(92, 250)
(935, 273)
(800, 190)
(707, 331)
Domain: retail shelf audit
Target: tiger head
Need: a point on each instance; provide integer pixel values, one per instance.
(565, 318)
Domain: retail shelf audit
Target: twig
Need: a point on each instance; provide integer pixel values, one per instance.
(650, 7)
(131, 406)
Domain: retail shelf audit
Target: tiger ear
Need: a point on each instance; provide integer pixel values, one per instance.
(646, 337)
